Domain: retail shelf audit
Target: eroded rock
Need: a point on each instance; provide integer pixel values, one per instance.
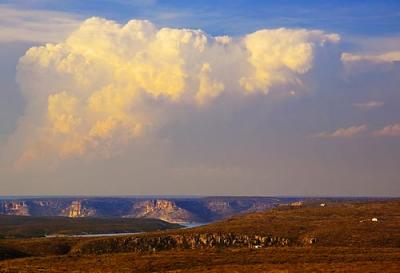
(181, 241)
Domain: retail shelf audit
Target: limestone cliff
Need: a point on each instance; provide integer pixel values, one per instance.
(177, 210)
(14, 208)
(166, 210)
(76, 209)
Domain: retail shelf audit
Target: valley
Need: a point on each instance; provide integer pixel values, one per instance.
(348, 236)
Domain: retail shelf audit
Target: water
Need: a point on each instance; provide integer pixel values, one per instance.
(193, 225)
(185, 225)
(93, 235)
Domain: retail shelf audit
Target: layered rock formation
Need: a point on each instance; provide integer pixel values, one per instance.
(14, 208)
(178, 210)
(76, 209)
(166, 210)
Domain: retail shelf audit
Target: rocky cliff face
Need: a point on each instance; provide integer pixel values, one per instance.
(166, 210)
(178, 210)
(14, 208)
(222, 207)
(76, 209)
(181, 241)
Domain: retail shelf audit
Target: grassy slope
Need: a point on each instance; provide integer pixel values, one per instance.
(25, 227)
(277, 260)
(344, 245)
(338, 224)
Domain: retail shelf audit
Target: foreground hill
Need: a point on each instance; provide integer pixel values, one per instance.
(335, 224)
(311, 238)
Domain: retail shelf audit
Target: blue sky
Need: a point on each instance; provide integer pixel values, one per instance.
(238, 17)
(319, 122)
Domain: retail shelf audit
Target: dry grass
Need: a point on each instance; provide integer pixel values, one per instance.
(279, 259)
(344, 245)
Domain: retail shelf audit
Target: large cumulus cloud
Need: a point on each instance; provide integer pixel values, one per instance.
(96, 90)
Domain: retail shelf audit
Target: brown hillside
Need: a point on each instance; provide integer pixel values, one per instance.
(334, 238)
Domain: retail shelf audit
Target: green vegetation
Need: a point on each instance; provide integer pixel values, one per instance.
(27, 227)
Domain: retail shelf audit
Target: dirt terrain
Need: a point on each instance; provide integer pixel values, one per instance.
(337, 237)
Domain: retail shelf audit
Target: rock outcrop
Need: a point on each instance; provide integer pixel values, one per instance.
(76, 209)
(19, 208)
(179, 241)
(166, 210)
(177, 210)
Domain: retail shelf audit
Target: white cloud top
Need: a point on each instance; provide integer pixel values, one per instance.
(97, 88)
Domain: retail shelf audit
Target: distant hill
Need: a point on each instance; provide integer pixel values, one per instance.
(176, 210)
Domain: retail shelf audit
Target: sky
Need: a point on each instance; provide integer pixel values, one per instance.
(127, 97)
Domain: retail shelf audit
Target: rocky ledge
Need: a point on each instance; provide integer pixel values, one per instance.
(166, 242)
